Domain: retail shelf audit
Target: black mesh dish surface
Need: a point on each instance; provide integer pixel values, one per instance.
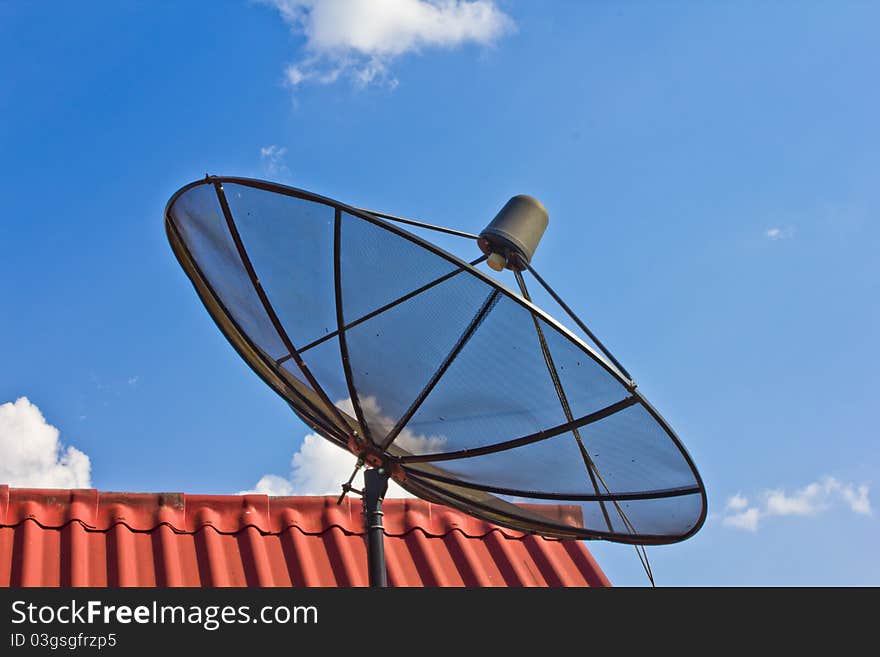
(393, 348)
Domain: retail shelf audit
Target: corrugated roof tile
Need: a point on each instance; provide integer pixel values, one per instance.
(87, 538)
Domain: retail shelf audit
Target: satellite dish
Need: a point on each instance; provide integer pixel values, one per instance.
(431, 371)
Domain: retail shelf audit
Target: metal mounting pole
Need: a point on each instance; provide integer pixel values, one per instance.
(375, 486)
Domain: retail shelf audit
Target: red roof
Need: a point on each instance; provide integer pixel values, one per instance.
(90, 538)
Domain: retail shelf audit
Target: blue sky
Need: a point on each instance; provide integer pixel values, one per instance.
(712, 173)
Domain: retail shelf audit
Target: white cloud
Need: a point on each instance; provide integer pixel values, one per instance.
(272, 160)
(779, 233)
(857, 499)
(320, 467)
(806, 502)
(813, 499)
(360, 38)
(373, 416)
(746, 520)
(737, 502)
(31, 455)
(818, 497)
(132, 380)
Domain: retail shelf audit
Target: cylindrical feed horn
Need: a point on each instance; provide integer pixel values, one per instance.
(511, 238)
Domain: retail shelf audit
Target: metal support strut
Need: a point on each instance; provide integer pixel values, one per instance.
(375, 486)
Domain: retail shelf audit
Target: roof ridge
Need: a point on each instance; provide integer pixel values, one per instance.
(230, 514)
(516, 536)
